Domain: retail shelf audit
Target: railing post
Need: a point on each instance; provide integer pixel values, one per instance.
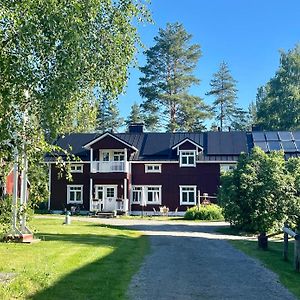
(297, 252)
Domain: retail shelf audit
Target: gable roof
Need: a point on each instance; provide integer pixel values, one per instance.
(97, 139)
(151, 146)
(189, 141)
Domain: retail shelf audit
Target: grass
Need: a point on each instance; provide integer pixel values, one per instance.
(78, 261)
(273, 260)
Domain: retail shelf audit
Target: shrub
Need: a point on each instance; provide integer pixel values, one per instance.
(260, 194)
(205, 212)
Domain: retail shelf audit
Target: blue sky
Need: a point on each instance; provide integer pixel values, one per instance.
(245, 34)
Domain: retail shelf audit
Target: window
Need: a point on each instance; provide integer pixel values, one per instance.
(151, 194)
(110, 192)
(227, 167)
(187, 158)
(75, 194)
(153, 168)
(99, 192)
(187, 195)
(137, 194)
(119, 156)
(76, 168)
(105, 156)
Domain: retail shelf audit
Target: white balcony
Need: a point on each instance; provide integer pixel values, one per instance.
(109, 167)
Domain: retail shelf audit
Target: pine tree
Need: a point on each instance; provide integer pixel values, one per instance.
(108, 118)
(223, 88)
(135, 115)
(167, 78)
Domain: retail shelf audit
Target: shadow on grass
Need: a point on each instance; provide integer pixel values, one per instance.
(104, 278)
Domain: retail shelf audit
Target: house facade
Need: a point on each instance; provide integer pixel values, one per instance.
(138, 171)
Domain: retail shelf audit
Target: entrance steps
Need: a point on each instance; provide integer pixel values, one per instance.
(106, 215)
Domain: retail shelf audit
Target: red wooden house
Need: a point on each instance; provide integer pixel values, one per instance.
(135, 171)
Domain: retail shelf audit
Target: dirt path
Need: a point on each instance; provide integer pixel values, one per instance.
(190, 260)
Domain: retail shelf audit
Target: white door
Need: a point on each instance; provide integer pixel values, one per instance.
(110, 196)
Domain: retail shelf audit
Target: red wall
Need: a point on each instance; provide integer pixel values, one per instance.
(205, 176)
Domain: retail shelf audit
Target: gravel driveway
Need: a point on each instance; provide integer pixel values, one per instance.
(193, 262)
(190, 260)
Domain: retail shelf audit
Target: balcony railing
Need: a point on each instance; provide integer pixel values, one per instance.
(109, 166)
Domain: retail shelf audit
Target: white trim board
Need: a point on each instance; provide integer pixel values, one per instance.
(187, 140)
(88, 145)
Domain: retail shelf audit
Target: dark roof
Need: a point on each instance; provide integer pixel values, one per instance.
(221, 146)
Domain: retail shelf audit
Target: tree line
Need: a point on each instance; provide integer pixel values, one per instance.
(167, 102)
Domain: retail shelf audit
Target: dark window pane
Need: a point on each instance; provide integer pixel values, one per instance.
(191, 160)
(184, 160)
(72, 196)
(184, 197)
(191, 196)
(150, 196)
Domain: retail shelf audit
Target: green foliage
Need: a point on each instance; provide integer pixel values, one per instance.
(205, 212)
(5, 215)
(53, 56)
(135, 115)
(108, 118)
(278, 102)
(223, 88)
(167, 78)
(260, 193)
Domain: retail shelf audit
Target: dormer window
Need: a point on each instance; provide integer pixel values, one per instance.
(187, 158)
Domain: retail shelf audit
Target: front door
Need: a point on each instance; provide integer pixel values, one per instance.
(105, 197)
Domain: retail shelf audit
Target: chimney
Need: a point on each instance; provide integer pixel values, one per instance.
(136, 128)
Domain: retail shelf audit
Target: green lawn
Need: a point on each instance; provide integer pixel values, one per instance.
(273, 260)
(77, 261)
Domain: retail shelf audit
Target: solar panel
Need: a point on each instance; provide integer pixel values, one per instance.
(285, 136)
(258, 136)
(271, 136)
(274, 145)
(297, 143)
(296, 135)
(289, 146)
(262, 145)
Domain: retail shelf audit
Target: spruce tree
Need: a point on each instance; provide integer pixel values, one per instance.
(108, 118)
(135, 115)
(223, 88)
(167, 78)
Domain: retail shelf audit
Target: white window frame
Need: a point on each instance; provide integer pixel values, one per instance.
(112, 153)
(192, 187)
(69, 190)
(227, 167)
(137, 188)
(76, 168)
(183, 153)
(158, 202)
(145, 192)
(152, 168)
